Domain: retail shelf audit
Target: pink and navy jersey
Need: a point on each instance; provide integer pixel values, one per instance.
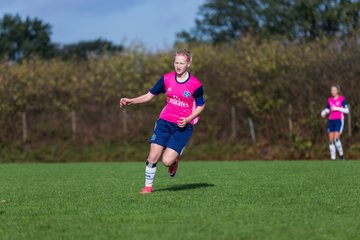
(182, 97)
(337, 102)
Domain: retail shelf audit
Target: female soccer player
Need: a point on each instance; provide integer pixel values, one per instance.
(336, 107)
(174, 127)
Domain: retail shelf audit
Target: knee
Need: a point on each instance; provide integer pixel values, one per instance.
(153, 158)
(167, 161)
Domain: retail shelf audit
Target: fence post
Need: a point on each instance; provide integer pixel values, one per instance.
(233, 122)
(24, 127)
(252, 130)
(73, 124)
(349, 123)
(290, 122)
(124, 121)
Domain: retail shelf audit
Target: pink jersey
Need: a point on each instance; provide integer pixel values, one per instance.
(338, 102)
(182, 98)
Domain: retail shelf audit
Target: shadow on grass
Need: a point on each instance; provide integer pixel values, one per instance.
(188, 186)
(2, 212)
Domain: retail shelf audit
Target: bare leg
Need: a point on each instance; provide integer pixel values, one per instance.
(331, 136)
(337, 135)
(169, 157)
(155, 153)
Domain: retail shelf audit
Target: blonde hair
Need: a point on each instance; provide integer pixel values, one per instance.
(186, 53)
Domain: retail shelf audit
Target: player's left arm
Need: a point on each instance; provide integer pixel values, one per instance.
(344, 109)
(200, 106)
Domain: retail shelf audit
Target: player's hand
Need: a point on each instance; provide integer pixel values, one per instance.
(182, 122)
(124, 102)
(323, 114)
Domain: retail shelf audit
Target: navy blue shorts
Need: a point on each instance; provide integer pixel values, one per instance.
(170, 135)
(336, 125)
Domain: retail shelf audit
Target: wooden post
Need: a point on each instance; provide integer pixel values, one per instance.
(290, 122)
(73, 124)
(233, 122)
(124, 121)
(252, 130)
(349, 123)
(24, 127)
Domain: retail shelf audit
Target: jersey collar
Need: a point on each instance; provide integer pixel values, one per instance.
(183, 81)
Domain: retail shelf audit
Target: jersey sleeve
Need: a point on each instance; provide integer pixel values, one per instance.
(158, 88)
(344, 103)
(327, 106)
(199, 96)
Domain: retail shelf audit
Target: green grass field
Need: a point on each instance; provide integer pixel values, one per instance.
(207, 200)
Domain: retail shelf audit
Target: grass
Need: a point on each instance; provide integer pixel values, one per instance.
(207, 200)
(120, 151)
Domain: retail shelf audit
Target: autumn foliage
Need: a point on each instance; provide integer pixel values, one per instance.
(280, 86)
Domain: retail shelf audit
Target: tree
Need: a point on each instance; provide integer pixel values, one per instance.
(222, 21)
(83, 49)
(24, 38)
(311, 19)
(226, 20)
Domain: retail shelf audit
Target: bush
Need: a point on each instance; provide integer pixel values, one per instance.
(77, 102)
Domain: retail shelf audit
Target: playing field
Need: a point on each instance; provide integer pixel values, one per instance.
(207, 200)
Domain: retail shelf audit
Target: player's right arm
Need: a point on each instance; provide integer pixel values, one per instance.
(141, 99)
(325, 111)
(158, 88)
